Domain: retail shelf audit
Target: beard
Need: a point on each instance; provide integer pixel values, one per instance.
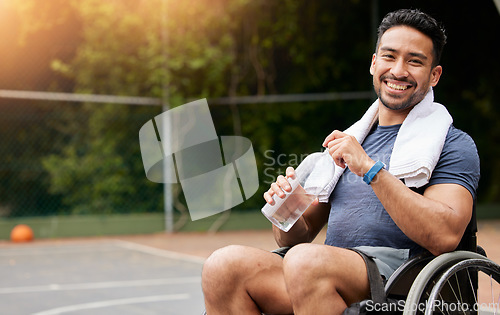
(390, 101)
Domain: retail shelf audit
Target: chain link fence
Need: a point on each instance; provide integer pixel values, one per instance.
(69, 158)
(68, 155)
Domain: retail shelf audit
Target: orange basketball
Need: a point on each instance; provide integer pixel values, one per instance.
(21, 233)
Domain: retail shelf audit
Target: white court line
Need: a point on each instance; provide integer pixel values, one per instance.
(100, 304)
(159, 252)
(99, 285)
(108, 284)
(80, 248)
(34, 251)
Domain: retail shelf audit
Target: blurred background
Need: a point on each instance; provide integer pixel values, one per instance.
(78, 78)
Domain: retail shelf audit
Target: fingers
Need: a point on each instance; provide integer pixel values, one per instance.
(268, 197)
(337, 155)
(346, 151)
(280, 186)
(333, 142)
(336, 134)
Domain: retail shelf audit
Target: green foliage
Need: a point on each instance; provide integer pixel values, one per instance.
(190, 49)
(98, 170)
(124, 52)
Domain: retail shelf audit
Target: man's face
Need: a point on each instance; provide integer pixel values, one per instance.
(402, 68)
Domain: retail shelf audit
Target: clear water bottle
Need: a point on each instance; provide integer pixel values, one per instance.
(310, 181)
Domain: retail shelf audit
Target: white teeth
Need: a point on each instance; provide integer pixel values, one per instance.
(397, 86)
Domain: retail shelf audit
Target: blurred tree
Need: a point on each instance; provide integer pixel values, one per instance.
(25, 126)
(184, 50)
(211, 49)
(123, 53)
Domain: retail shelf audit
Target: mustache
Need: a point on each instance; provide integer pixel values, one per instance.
(392, 77)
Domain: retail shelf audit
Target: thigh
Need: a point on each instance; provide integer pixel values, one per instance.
(340, 269)
(252, 271)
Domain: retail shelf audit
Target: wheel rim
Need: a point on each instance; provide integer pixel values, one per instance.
(454, 295)
(427, 277)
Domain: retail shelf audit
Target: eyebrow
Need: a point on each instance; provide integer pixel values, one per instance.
(414, 54)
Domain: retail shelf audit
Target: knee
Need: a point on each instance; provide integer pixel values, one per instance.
(303, 260)
(220, 270)
(304, 266)
(223, 261)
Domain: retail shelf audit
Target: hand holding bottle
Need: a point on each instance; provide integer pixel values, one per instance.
(290, 196)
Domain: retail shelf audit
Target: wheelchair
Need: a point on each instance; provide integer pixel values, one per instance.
(464, 281)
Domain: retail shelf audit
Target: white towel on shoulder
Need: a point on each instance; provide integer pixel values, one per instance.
(418, 144)
(420, 141)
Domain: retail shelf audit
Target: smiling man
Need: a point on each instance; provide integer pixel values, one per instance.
(408, 185)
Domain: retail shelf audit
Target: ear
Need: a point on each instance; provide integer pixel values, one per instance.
(372, 66)
(435, 75)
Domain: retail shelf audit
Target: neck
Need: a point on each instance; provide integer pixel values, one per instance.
(389, 117)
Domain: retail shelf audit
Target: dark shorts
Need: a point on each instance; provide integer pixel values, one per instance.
(387, 259)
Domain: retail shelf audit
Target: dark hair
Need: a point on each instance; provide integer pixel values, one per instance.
(420, 21)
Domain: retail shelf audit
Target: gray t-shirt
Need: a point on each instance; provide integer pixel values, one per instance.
(357, 218)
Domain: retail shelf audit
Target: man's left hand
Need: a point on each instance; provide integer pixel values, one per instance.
(346, 151)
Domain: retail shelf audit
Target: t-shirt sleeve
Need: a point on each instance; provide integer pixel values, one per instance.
(458, 163)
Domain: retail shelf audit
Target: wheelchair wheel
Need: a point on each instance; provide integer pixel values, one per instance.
(427, 278)
(471, 286)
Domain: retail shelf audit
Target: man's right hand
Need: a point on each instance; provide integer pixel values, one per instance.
(279, 187)
(295, 203)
